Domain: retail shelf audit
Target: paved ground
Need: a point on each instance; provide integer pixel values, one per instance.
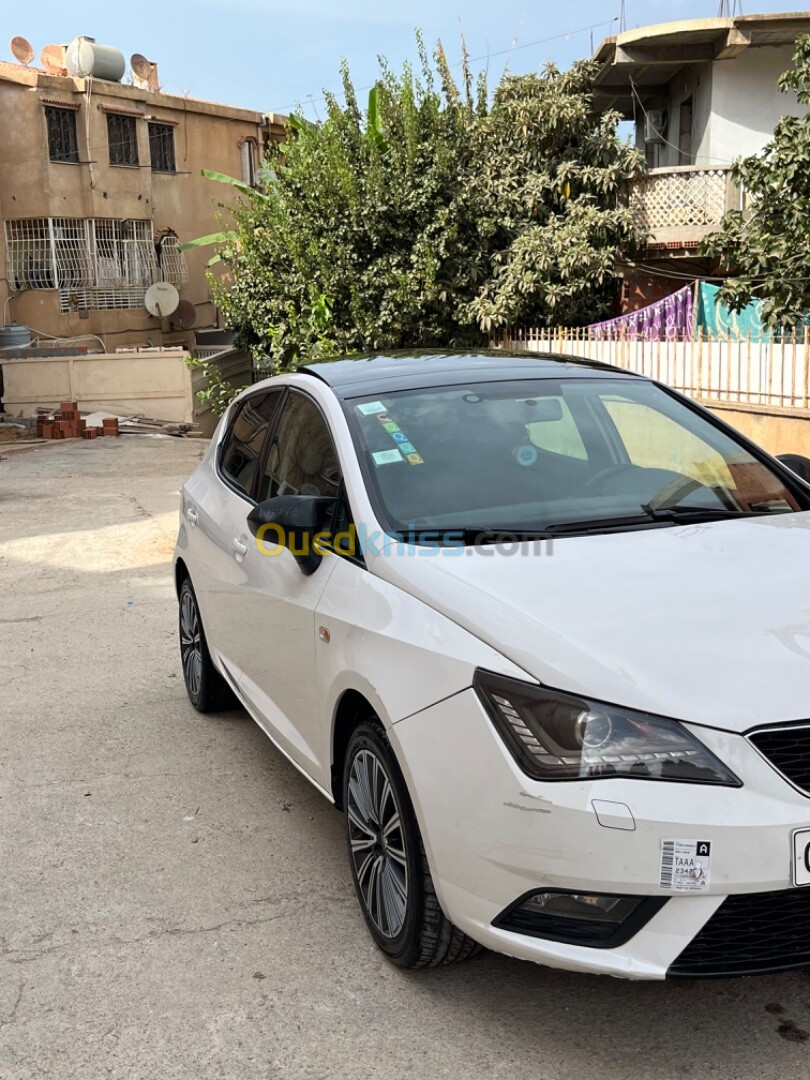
(175, 899)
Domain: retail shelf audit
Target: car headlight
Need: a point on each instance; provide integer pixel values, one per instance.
(555, 736)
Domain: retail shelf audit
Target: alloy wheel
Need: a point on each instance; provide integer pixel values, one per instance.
(190, 643)
(377, 844)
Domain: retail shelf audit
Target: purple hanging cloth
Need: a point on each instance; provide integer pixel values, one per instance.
(669, 319)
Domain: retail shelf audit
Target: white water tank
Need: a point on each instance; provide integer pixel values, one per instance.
(85, 58)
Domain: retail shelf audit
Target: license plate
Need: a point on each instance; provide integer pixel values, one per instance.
(801, 857)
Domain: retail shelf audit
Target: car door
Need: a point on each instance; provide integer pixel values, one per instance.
(276, 601)
(216, 504)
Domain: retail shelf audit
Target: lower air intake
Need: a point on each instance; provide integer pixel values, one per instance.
(750, 935)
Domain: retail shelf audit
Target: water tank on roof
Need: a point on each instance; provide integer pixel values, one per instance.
(85, 58)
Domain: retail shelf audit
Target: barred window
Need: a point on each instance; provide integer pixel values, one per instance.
(172, 261)
(74, 254)
(122, 134)
(48, 253)
(161, 148)
(125, 253)
(62, 142)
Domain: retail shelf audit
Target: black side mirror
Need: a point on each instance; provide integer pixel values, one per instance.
(293, 522)
(797, 464)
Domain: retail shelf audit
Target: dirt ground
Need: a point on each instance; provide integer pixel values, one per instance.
(175, 900)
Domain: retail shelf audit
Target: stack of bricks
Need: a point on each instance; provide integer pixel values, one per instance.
(65, 423)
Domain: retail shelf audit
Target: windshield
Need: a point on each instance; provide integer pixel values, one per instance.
(554, 456)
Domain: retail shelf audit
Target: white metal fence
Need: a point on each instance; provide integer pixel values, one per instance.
(770, 374)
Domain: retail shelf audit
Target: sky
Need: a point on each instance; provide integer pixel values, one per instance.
(279, 57)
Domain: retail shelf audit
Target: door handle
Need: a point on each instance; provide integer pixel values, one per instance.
(239, 549)
(191, 514)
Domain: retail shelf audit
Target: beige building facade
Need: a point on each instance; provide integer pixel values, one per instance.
(100, 185)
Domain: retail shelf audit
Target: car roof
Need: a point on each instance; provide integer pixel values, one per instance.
(358, 376)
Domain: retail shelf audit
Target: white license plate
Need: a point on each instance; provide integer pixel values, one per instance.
(801, 857)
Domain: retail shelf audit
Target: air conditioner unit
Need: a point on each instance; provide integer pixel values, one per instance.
(655, 126)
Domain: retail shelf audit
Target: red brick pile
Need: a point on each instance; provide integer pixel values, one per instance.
(65, 423)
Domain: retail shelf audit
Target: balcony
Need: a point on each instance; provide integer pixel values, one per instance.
(678, 206)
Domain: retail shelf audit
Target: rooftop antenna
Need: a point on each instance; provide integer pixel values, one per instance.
(622, 18)
(21, 50)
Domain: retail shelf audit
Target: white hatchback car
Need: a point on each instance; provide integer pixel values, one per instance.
(541, 630)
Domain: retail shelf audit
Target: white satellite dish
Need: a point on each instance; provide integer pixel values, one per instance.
(161, 299)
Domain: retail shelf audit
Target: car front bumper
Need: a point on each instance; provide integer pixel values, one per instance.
(492, 834)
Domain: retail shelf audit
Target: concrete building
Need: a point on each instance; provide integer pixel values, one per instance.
(701, 93)
(100, 184)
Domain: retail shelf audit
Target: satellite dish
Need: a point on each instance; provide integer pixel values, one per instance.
(144, 72)
(185, 316)
(52, 58)
(21, 50)
(162, 299)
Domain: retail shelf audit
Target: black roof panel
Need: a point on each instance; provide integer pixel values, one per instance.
(362, 375)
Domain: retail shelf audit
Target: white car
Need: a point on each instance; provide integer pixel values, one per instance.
(540, 629)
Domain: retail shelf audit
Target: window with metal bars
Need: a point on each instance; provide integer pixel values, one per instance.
(48, 253)
(122, 135)
(172, 261)
(72, 253)
(124, 253)
(63, 144)
(161, 148)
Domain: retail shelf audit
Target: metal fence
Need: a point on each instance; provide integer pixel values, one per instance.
(771, 374)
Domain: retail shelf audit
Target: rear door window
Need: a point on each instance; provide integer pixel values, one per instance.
(239, 456)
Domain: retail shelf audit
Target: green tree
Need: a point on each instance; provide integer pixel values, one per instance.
(431, 218)
(765, 247)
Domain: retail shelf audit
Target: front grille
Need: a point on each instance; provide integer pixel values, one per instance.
(750, 935)
(788, 750)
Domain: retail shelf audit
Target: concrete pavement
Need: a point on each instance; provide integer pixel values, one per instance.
(175, 900)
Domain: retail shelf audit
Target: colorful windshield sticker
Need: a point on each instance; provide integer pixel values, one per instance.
(387, 457)
(371, 407)
(402, 441)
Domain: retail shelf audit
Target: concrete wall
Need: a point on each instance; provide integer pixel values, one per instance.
(206, 136)
(777, 431)
(156, 384)
(747, 104)
(736, 105)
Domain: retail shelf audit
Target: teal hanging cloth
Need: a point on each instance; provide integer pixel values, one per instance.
(717, 321)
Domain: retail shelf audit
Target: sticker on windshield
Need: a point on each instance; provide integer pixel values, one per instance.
(390, 426)
(685, 865)
(371, 407)
(399, 436)
(407, 448)
(415, 459)
(387, 457)
(525, 454)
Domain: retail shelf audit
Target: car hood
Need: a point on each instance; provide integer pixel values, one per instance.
(706, 623)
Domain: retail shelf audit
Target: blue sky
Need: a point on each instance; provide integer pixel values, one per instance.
(274, 56)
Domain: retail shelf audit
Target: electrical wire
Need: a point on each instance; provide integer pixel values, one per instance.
(476, 59)
(712, 162)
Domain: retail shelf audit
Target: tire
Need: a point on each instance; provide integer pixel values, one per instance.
(207, 690)
(387, 859)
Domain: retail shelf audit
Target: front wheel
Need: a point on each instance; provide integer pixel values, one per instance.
(207, 690)
(387, 858)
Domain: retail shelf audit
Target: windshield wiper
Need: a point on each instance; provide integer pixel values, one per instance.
(473, 537)
(665, 515)
(702, 513)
